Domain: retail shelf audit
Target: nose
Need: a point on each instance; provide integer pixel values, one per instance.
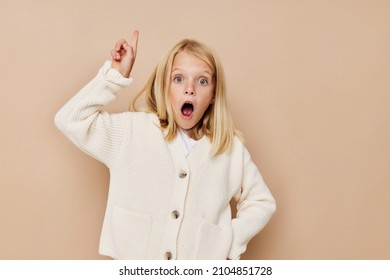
(190, 89)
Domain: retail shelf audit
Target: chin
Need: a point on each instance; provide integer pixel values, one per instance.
(186, 127)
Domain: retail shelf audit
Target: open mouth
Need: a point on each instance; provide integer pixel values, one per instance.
(187, 109)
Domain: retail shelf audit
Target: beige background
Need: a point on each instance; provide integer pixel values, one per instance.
(309, 85)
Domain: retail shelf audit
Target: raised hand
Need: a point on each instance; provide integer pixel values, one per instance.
(123, 55)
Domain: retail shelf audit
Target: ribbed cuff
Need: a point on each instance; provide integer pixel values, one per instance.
(114, 76)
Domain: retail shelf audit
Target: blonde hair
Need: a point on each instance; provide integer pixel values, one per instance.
(216, 122)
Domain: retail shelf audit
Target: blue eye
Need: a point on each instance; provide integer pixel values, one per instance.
(178, 79)
(203, 82)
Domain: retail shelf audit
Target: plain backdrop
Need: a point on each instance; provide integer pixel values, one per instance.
(308, 85)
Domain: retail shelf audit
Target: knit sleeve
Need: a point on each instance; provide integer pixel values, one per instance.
(255, 207)
(97, 133)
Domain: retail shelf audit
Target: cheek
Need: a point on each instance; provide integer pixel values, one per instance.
(174, 90)
(173, 100)
(205, 90)
(209, 96)
(205, 104)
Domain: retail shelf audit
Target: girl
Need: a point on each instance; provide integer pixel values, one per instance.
(175, 167)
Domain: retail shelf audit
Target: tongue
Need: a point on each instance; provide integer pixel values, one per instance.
(187, 110)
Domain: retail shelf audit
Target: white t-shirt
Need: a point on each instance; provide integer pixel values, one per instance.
(187, 142)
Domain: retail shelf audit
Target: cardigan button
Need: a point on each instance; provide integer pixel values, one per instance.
(182, 173)
(168, 255)
(175, 214)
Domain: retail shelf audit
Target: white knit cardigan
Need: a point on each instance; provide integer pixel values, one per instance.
(161, 204)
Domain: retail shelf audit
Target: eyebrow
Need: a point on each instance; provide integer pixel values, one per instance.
(204, 71)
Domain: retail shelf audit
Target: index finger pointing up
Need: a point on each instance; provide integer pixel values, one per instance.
(134, 41)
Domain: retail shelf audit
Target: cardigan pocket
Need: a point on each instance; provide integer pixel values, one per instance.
(131, 233)
(213, 242)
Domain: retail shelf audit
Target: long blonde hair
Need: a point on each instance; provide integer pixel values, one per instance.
(216, 122)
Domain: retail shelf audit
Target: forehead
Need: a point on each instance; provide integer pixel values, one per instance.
(185, 61)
